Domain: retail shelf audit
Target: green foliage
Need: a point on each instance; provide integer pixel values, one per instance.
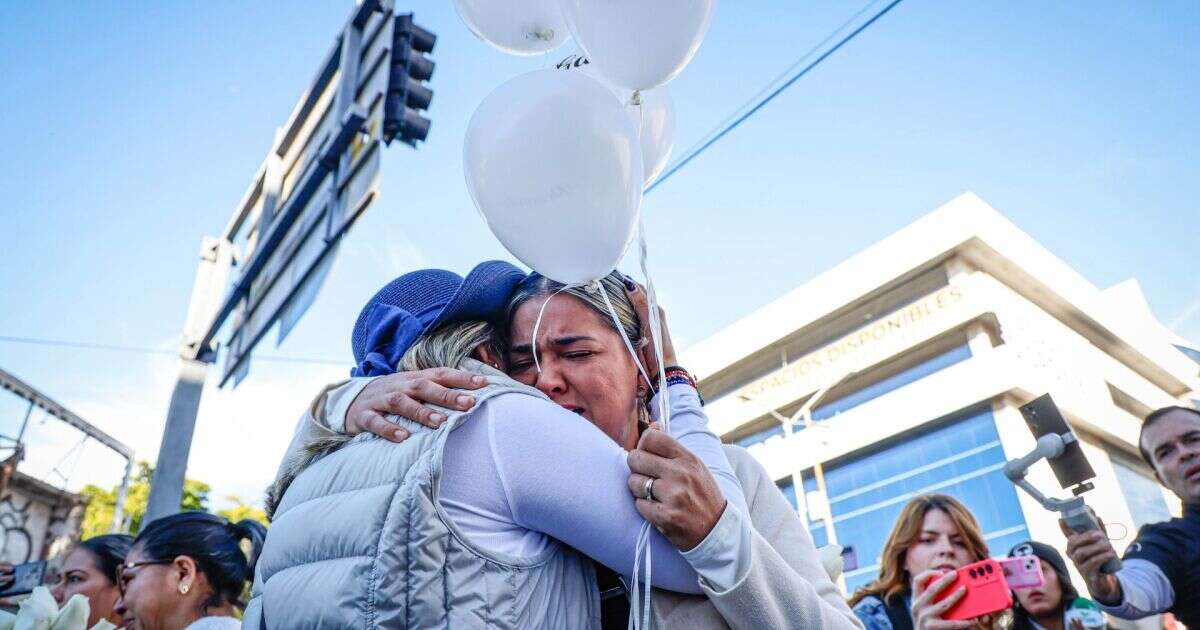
(241, 511)
(98, 517)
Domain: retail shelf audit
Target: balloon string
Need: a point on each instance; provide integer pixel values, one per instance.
(612, 312)
(635, 590)
(537, 323)
(664, 405)
(643, 542)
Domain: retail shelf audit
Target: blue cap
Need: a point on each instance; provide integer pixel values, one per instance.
(420, 301)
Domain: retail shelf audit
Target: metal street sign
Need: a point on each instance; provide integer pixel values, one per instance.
(319, 177)
(321, 173)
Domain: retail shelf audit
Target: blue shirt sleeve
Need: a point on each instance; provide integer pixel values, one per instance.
(872, 613)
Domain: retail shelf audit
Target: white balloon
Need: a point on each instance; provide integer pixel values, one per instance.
(639, 44)
(655, 117)
(518, 27)
(553, 164)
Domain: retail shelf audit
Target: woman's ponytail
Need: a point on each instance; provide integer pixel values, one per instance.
(213, 543)
(255, 533)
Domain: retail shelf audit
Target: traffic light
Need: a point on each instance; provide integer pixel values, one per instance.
(407, 94)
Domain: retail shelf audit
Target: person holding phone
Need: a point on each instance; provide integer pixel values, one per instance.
(934, 536)
(1055, 605)
(1161, 568)
(90, 569)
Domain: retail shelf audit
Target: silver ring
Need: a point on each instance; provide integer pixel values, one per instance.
(648, 489)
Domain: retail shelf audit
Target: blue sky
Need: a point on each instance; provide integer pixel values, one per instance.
(133, 129)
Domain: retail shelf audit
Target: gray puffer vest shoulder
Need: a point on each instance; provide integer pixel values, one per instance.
(359, 540)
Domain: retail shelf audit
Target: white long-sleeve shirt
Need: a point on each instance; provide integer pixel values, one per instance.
(1146, 590)
(523, 470)
(1161, 571)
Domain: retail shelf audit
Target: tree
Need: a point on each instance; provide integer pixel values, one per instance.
(241, 511)
(102, 503)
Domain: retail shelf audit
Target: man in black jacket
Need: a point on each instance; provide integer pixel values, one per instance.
(1162, 566)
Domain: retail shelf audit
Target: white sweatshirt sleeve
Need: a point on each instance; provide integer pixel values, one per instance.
(562, 476)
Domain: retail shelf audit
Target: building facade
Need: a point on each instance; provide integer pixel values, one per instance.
(37, 520)
(901, 371)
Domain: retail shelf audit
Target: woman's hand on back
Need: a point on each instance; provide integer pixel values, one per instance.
(406, 394)
(926, 613)
(641, 305)
(687, 502)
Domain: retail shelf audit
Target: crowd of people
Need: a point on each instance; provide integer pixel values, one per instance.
(502, 456)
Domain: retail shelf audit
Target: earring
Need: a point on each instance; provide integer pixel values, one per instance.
(183, 589)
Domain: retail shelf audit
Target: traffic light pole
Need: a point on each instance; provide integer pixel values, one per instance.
(257, 292)
(166, 485)
(166, 490)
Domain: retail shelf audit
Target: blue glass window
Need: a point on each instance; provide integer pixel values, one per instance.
(816, 528)
(962, 458)
(870, 392)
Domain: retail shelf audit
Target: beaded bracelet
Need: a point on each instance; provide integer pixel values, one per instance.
(676, 375)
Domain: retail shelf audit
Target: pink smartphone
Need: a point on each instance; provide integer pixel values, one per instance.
(1022, 572)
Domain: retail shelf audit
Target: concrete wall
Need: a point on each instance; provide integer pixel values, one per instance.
(37, 520)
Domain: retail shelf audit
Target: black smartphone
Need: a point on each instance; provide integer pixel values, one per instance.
(1072, 467)
(25, 578)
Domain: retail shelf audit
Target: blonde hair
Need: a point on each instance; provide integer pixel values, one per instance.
(894, 580)
(537, 285)
(447, 346)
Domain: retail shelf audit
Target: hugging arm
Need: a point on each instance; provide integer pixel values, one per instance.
(567, 479)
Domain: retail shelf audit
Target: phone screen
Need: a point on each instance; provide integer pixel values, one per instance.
(25, 578)
(1072, 467)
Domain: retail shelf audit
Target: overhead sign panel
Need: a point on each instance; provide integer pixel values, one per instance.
(321, 175)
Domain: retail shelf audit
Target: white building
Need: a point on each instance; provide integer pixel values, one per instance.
(912, 358)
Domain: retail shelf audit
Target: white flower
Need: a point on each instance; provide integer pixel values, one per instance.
(831, 559)
(74, 614)
(40, 612)
(37, 611)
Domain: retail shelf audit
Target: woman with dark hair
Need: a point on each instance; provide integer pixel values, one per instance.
(90, 569)
(934, 533)
(188, 571)
(1055, 605)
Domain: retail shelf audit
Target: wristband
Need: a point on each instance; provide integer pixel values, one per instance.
(676, 375)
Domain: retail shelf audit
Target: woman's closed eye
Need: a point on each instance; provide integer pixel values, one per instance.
(518, 366)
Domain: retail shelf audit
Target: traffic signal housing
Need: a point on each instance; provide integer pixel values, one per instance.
(407, 94)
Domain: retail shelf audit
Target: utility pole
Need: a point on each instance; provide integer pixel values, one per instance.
(166, 488)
